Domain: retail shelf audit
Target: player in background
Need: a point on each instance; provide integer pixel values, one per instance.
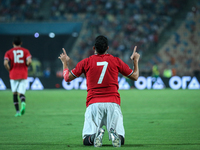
(16, 61)
(103, 100)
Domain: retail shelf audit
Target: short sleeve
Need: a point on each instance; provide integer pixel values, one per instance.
(28, 55)
(79, 69)
(124, 69)
(6, 56)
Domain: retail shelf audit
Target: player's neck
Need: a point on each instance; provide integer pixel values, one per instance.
(100, 54)
(16, 45)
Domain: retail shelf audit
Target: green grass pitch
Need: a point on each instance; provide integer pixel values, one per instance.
(153, 120)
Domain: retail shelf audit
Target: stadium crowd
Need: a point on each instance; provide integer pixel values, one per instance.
(126, 23)
(181, 52)
(19, 10)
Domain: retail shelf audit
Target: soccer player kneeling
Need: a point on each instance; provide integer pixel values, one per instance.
(103, 100)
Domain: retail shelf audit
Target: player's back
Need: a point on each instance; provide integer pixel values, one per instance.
(102, 72)
(17, 57)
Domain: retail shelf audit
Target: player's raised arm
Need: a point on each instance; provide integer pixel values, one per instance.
(134, 51)
(66, 73)
(135, 57)
(64, 59)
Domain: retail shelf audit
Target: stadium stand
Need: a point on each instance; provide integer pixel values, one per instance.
(19, 10)
(126, 23)
(181, 53)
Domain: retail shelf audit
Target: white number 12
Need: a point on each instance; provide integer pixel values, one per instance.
(17, 55)
(104, 64)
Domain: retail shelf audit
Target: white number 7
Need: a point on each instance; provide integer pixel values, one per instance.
(104, 64)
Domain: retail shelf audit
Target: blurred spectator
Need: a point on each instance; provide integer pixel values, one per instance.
(59, 73)
(155, 71)
(35, 68)
(180, 54)
(19, 10)
(47, 72)
(167, 73)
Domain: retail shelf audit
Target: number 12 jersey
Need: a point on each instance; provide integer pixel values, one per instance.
(17, 57)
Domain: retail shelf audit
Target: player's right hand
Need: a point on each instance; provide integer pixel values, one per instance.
(135, 55)
(64, 57)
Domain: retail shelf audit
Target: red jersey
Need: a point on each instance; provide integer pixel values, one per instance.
(101, 72)
(17, 57)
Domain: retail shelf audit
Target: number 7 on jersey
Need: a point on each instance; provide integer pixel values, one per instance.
(104, 64)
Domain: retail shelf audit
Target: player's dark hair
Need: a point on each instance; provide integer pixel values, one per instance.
(17, 41)
(101, 44)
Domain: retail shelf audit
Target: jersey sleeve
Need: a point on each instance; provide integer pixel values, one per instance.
(79, 69)
(28, 55)
(6, 56)
(124, 69)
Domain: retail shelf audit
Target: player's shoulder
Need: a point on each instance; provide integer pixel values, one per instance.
(90, 57)
(9, 51)
(83, 61)
(114, 58)
(117, 60)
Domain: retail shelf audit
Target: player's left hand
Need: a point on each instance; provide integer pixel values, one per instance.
(135, 55)
(64, 57)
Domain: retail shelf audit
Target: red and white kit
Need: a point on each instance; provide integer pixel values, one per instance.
(17, 57)
(101, 73)
(18, 73)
